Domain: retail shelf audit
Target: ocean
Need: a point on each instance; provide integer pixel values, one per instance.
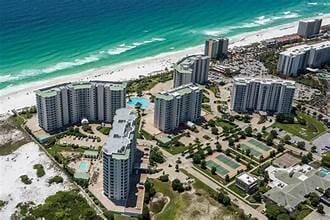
(42, 39)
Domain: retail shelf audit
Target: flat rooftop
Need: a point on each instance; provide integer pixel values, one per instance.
(302, 49)
(247, 80)
(53, 90)
(290, 185)
(179, 91)
(247, 179)
(122, 132)
(185, 64)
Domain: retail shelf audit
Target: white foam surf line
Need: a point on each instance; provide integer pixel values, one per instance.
(79, 61)
(22, 95)
(255, 22)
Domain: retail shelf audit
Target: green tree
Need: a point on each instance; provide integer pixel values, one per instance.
(301, 145)
(304, 159)
(226, 201)
(221, 197)
(273, 210)
(197, 158)
(283, 216)
(177, 185)
(314, 198)
(203, 164)
(218, 147)
(287, 138)
(248, 131)
(280, 147)
(320, 209)
(213, 170)
(156, 156)
(215, 130)
(326, 160)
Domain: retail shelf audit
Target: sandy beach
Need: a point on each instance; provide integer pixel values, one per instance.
(22, 96)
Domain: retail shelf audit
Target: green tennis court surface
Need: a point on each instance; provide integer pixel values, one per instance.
(255, 153)
(220, 170)
(259, 145)
(226, 160)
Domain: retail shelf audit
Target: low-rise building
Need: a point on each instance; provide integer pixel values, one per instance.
(247, 182)
(291, 185)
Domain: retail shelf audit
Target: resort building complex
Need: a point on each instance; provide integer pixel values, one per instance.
(192, 69)
(267, 95)
(66, 104)
(176, 106)
(294, 60)
(289, 186)
(307, 29)
(216, 48)
(119, 154)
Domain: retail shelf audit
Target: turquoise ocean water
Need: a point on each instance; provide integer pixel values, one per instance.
(42, 39)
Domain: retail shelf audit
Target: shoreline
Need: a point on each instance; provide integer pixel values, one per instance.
(22, 95)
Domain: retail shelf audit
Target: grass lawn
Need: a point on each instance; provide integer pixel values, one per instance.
(177, 201)
(224, 124)
(177, 149)
(147, 82)
(301, 214)
(312, 129)
(206, 107)
(237, 190)
(214, 89)
(53, 150)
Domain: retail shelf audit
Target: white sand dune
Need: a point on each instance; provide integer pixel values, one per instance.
(21, 162)
(22, 96)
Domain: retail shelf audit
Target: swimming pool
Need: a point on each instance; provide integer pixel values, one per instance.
(323, 172)
(142, 100)
(83, 166)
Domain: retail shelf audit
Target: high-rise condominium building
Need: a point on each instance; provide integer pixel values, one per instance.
(119, 154)
(66, 104)
(192, 69)
(216, 48)
(307, 29)
(267, 95)
(176, 106)
(294, 60)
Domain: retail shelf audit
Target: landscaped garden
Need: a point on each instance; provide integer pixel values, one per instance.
(304, 126)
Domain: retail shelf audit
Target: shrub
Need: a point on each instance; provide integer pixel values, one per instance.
(26, 180)
(40, 170)
(56, 179)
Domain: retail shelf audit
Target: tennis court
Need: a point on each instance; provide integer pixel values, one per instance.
(220, 170)
(260, 145)
(255, 153)
(226, 160)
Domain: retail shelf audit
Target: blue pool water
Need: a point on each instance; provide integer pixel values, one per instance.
(324, 172)
(144, 102)
(83, 166)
